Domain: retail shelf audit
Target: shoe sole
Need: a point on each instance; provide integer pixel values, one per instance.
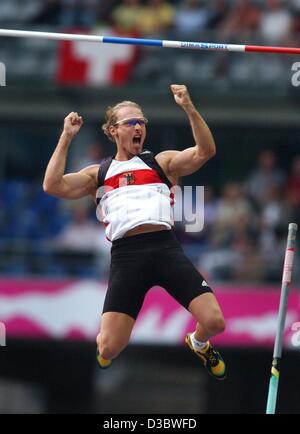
(189, 344)
(99, 364)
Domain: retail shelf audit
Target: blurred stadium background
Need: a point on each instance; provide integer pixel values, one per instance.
(53, 254)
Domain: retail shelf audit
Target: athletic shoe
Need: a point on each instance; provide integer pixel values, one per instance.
(210, 358)
(103, 363)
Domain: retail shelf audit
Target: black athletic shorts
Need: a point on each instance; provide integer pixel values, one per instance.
(141, 261)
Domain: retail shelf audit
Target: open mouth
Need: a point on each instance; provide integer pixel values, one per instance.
(137, 140)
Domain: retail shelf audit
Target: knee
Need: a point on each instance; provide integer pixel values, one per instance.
(108, 347)
(215, 324)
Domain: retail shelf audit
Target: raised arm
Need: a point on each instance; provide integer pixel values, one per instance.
(72, 185)
(181, 163)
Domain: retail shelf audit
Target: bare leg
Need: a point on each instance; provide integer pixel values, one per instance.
(207, 312)
(210, 321)
(114, 334)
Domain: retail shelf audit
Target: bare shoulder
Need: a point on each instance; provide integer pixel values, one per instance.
(91, 170)
(163, 159)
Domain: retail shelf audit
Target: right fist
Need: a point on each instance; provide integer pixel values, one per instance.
(72, 124)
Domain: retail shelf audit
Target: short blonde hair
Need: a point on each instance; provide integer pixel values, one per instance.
(111, 116)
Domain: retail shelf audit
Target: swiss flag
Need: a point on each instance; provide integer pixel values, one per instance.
(81, 62)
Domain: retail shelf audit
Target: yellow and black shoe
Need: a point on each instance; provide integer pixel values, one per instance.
(210, 358)
(103, 363)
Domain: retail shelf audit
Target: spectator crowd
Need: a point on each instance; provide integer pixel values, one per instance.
(246, 222)
(243, 239)
(277, 21)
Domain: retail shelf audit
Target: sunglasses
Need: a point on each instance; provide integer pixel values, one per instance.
(131, 122)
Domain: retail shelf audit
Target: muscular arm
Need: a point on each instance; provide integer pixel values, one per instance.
(72, 185)
(188, 161)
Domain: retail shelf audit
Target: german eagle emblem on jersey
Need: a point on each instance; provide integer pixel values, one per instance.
(129, 178)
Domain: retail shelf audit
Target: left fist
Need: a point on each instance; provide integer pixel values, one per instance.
(181, 95)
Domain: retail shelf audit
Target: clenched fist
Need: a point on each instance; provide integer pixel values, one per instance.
(181, 95)
(72, 124)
